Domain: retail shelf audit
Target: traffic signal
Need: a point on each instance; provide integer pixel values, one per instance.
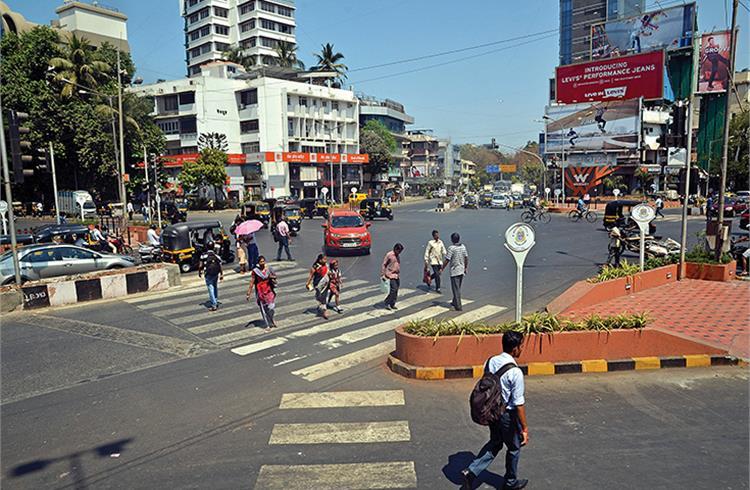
(20, 147)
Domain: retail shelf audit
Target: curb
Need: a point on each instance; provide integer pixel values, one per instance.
(549, 368)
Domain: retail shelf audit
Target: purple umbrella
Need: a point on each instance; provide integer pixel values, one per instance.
(247, 227)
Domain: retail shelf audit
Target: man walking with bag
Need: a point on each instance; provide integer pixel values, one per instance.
(510, 428)
(282, 232)
(458, 259)
(210, 266)
(391, 271)
(434, 255)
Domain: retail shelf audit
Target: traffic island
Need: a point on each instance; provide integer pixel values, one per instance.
(78, 288)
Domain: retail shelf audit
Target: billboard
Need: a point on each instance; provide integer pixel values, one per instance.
(713, 72)
(628, 77)
(582, 180)
(670, 28)
(594, 127)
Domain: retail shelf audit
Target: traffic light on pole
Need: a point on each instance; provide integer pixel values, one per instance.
(20, 147)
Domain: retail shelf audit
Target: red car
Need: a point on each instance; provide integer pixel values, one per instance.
(345, 230)
(745, 220)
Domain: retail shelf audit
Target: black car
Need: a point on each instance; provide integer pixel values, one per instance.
(45, 233)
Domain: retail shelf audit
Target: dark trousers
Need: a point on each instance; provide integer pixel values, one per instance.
(614, 256)
(252, 255)
(283, 245)
(506, 431)
(456, 288)
(390, 300)
(436, 276)
(658, 212)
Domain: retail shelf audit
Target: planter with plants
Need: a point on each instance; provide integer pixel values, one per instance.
(547, 338)
(701, 263)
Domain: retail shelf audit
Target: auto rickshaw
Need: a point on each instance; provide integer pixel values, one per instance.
(293, 216)
(184, 243)
(372, 208)
(172, 213)
(356, 198)
(182, 205)
(617, 213)
(257, 210)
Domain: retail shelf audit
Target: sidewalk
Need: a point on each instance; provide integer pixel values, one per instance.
(714, 313)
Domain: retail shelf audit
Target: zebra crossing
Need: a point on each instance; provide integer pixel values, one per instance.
(361, 475)
(310, 347)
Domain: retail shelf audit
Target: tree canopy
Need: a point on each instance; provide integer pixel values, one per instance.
(207, 171)
(379, 143)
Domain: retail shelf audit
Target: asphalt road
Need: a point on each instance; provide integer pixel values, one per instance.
(156, 391)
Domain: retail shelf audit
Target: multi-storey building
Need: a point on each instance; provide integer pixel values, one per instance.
(577, 17)
(284, 136)
(255, 26)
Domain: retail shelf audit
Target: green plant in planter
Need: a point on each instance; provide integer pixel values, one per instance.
(608, 273)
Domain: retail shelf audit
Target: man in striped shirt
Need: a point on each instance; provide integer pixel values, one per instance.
(458, 258)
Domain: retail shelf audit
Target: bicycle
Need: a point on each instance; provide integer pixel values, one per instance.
(540, 214)
(576, 215)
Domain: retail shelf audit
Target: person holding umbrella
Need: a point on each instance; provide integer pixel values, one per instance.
(247, 230)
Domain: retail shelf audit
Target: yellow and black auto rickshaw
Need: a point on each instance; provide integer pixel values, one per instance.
(356, 198)
(617, 213)
(293, 216)
(372, 208)
(257, 210)
(184, 243)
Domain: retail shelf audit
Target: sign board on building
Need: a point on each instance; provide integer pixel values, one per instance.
(509, 168)
(713, 72)
(670, 28)
(304, 157)
(309, 184)
(627, 77)
(493, 169)
(593, 127)
(582, 180)
(173, 161)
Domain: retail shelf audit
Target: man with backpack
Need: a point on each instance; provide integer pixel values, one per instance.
(210, 266)
(498, 402)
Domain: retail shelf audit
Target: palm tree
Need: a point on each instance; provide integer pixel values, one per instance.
(235, 54)
(286, 54)
(77, 66)
(328, 60)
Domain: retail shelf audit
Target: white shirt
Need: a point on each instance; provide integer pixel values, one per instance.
(511, 383)
(97, 234)
(153, 237)
(434, 254)
(130, 207)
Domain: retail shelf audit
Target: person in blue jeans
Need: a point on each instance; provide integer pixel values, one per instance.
(210, 267)
(511, 429)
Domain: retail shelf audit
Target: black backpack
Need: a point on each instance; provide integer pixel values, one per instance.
(213, 265)
(486, 400)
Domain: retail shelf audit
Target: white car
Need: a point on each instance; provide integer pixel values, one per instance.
(499, 201)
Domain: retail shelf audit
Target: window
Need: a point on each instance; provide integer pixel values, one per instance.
(247, 26)
(267, 6)
(187, 98)
(290, 126)
(194, 70)
(170, 102)
(303, 101)
(193, 3)
(335, 105)
(169, 127)
(289, 101)
(285, 11)
(250, 126)
(193, 18)
(222, 30)
(315, 102)
(268, 42)
(249, 97)
(248, 43)
(70, 253)
(253, 147)
(204, 13)
(247, 7)
(221, 47)
(267, 24)
(286, 29)
(188, 126)
(221, 12)
(44, 255)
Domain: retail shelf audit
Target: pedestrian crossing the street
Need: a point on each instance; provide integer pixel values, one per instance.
(309, 346)
(360, 475)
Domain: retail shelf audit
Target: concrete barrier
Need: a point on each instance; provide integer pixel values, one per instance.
(78, 288)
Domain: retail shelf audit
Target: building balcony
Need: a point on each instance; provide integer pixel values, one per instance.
(188, 138)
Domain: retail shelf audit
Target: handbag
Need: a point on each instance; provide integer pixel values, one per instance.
(427, 276)
(385, 285)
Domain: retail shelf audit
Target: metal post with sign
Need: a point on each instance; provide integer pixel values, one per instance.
(557, 195)
(3, 211)
(519, 239)
(643, 214)
(615, 192)
(80, 200)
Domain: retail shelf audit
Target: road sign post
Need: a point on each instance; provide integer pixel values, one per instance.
(615, 192)
(80, 200)
(557, 195)
(643, 214)
(3, 210)
(519, 239)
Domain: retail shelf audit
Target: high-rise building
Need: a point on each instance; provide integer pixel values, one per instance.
(255, 26)
(577, 17)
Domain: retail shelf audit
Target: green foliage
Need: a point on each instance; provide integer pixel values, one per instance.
(78, 65)
(379, 143)
(207, 171)
(235, 55)
(286, 55)
(702, 255)
(608, 273)
(215, 141)
(380, 129)
(535, 323)
(329, 60)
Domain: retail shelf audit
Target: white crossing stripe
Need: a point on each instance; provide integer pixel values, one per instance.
(352, 476)
(327, 368)
(485, 311)
(371, 331)
(250, 348)
(342, 399)
(341, 433)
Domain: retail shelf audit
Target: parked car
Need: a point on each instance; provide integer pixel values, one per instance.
(745, 220)
(44, 261)
(728, 207)
(740, 205)
(499, 201)
(344, 231)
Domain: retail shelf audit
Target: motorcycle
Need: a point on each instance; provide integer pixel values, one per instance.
(149, 253)
(653, 248)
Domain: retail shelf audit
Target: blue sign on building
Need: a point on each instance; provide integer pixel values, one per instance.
(493, 169)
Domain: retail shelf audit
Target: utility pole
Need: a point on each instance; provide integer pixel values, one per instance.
(727, 118)
(148, 187)
(54, 182)
(123, 196)
(9, 197)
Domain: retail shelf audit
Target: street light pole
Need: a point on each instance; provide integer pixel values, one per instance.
(123, 197)
(9, 197)
(54, 182)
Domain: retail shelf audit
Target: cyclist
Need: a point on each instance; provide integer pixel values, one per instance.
(581, 206)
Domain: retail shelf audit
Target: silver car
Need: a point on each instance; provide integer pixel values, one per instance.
(52, 260)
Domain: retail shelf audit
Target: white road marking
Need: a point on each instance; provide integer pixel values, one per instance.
(341, 433)
(250, 348)
(479, 314)
(342, 399)
(352, 476)
(333, 366)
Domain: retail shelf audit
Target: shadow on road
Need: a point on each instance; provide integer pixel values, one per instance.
(460, 461)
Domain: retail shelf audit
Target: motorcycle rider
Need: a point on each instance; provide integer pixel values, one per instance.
(153, 236)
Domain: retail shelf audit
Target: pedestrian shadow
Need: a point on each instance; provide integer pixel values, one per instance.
(460, 461)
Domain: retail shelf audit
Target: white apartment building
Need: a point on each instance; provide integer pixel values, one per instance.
(256, 26)
(285, 136)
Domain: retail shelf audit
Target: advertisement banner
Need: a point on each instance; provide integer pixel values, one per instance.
(670, 28)
(508, 168)
(303, 157)
(628, 77)
(597, 127)
(582, 180)
(713, 72)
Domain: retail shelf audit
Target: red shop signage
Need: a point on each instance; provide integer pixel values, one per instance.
(627, 77)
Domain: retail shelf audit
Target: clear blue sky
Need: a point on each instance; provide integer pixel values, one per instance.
(499, 94)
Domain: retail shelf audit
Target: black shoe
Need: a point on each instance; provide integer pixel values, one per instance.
(393, 307)
(467, 480)
(518, 485)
